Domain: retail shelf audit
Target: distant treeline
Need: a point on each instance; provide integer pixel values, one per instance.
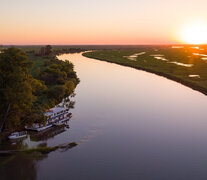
(25, 97)
(49, 51)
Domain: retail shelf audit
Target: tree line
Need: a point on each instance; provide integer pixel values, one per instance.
(25, 98)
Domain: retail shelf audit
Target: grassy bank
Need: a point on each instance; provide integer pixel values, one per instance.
(186, 65)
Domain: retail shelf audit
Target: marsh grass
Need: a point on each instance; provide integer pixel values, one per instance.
(167, 68)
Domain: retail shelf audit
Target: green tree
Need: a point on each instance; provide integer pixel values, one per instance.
(48, 50)
(38, 71)
(56, 92)
(16, 87)
(42, 51)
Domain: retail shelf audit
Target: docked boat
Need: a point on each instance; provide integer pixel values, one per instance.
(60, 123)
(18, 135)
(38, 127)
(55, 116)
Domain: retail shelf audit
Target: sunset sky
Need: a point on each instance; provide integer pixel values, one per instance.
(98, 22)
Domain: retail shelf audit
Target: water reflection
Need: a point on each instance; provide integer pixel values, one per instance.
(20, 166)
(25, 166)
(48, 133)
(15, 144)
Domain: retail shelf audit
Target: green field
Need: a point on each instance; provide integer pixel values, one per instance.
(184, 64)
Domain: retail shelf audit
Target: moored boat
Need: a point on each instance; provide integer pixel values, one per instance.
(55, 116)
(38, 127)
(60, 123)
(18, 135)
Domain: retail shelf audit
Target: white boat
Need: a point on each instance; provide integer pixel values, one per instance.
(55, 116)
(17, 135)
(38, 127)
(60, 123)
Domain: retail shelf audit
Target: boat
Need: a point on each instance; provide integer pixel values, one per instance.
(38, 127)
(60, 123)
(18, 135)
(63, 121)
(55, 116)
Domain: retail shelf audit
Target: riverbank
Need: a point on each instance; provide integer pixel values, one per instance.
(58, 76)
(47, 83)
(189, 71)
(42, 150)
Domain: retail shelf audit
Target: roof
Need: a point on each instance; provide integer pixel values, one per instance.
(54, 110)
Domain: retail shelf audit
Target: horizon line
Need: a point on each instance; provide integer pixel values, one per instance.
(101, 44)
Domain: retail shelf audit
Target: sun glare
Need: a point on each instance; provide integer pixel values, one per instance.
(194, 33)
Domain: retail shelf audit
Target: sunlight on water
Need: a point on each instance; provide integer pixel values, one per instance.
(181, 64)
(177, 47)
(197, 54)
(134, 56)
(161, 57)
(194, 76)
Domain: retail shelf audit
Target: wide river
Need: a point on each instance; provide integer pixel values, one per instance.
(129, 125)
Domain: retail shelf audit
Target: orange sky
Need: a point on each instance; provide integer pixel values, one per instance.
(96, 22)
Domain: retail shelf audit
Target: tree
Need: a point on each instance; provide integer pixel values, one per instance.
(38, 71)
(48, 50)
(42, 51)
(56, 92)
(16, 87)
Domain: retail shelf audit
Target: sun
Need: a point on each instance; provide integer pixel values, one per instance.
(194, 33)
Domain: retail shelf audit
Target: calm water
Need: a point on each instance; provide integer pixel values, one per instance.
(129, 124)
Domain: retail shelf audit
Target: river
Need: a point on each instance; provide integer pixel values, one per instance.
(129, 124)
